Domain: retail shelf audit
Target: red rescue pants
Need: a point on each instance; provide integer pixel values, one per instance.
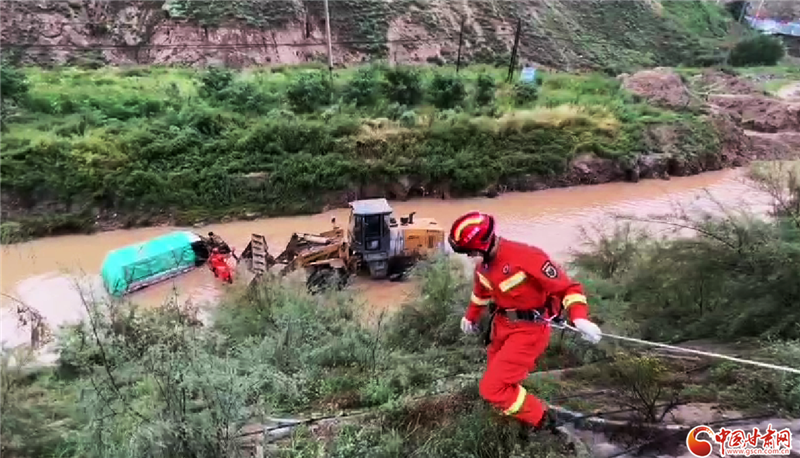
(221, 268)
(512, 355)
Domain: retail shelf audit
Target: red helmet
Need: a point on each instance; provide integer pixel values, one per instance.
(471, 232)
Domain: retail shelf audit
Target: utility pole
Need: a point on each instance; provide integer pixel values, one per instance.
(745, 5)
(514, 51)
(460, 43)
(328, 35)
(758, 10)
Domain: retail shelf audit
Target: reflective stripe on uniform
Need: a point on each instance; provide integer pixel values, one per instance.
(512, 281)
(464, 224)
(517, 405)
(570, 299)
(478, 301)
(484, 281)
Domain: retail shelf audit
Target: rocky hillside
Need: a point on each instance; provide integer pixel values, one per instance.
(557, 33)
(751, 123)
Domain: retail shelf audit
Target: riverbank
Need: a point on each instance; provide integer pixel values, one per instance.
(89, 150)
(407, 384)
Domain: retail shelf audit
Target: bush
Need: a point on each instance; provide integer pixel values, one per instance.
(403, 85)
(525, 93)
(453, 427)
(748, 387)
(364, 87)
(756, 51)
(13, 92)
(309, 92)
(447, 91)
(724, 283)
(216, 80)
(13, 83)
(38, 410)
(486, 87)
(433, 319)
(643, 384)
(146, 148)
(408, 119)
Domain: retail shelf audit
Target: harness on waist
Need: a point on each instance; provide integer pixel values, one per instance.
(550, 311)
(543, 314)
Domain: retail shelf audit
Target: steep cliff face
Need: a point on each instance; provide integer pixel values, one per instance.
(558, 33)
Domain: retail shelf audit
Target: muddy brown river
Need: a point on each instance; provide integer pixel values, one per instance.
(50, 274)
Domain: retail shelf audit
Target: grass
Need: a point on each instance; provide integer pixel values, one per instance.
(723, 285)
(151, 143)
(772, 79)
(619, 36)
(131, 377)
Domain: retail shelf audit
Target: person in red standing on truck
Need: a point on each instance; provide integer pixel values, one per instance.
(526, 289)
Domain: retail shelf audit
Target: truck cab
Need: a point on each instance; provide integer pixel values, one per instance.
(370, 234)
(386, 246)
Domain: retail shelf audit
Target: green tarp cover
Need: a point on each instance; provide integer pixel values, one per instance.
(138, 265)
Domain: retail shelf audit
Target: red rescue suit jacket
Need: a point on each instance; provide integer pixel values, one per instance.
(522, 277)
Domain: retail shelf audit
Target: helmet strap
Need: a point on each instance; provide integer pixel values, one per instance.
(490, 252)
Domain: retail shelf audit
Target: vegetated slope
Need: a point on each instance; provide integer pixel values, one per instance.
(565, 34)
(107, 148)
(143, 376)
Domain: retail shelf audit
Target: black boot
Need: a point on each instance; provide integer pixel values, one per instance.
(550, 422)
(553, 421)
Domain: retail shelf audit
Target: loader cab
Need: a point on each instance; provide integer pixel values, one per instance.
(370, 236)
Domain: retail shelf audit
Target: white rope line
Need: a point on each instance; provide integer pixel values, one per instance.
(689, 350)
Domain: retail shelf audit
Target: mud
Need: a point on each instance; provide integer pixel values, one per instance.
(750, 124)
(660, 86)
(760, 113)
(717, 82)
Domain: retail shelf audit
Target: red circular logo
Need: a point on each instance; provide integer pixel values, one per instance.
(699, 447)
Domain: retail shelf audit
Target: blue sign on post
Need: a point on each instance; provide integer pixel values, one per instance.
(528, 75)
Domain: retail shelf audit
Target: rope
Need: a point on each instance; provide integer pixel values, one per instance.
(686, 350)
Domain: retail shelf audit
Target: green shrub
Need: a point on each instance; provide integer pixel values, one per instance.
(403, 85)
(38, 409)
(723, 283)
(364, 88)
(408, 119)
(13, 84)
(147, 148)
(756, 51)
(746, 387)
(433, 319)
(486, 87)
(215, 80)
(525, 93)
(309, 92)
(447, 91)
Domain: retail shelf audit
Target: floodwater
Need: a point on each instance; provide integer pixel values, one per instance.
(51, 275)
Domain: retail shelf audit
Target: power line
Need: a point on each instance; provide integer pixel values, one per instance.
(267, 44)
(226, 45)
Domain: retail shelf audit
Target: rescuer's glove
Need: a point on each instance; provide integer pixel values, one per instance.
(588, 330)
(469, 327)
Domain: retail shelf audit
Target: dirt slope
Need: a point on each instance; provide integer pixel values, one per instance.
(751, 124)
(557, 33)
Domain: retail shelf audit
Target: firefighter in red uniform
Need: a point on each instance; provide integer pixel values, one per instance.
(220, 266)
(525, 287)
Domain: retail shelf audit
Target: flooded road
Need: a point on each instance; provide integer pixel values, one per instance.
(43, 273)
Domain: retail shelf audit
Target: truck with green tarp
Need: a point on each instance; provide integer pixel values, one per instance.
(137, 266)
